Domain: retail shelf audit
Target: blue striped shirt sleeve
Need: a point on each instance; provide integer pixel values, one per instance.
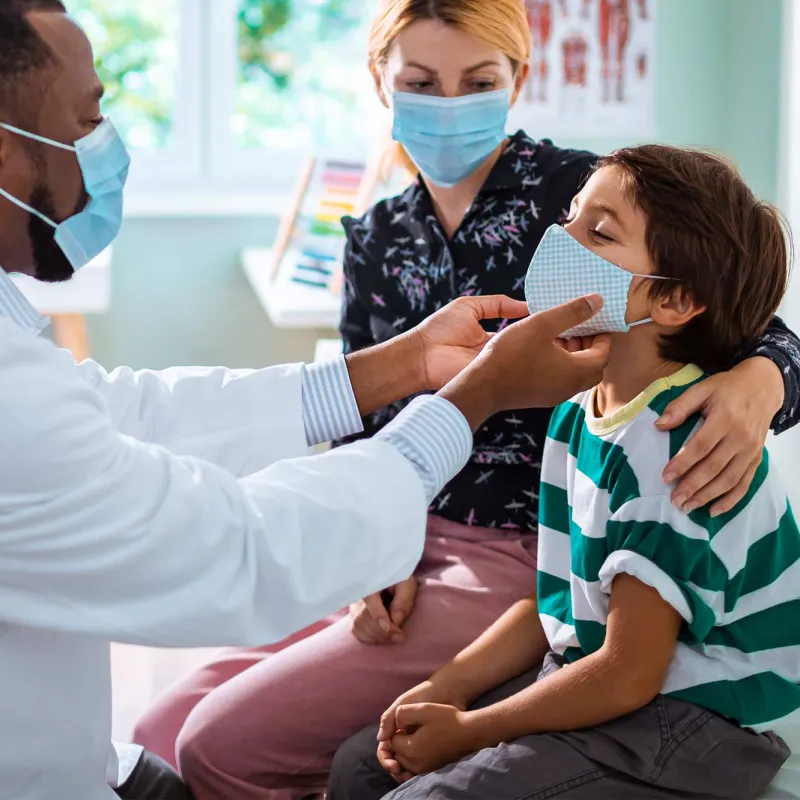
(431, 433)
(330, 410)
(435, 437)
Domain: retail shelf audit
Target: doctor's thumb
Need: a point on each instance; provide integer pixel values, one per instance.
(560, 319)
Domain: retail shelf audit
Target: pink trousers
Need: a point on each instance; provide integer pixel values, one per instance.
(264, 724)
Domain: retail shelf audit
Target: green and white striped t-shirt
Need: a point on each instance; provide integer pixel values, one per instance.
(735, 580)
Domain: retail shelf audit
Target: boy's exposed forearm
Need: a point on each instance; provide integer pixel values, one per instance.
(593, 690)
(512, 645)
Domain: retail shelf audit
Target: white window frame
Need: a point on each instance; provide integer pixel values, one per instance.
(789, 174)
(785, 447)
(266, 169)
(160, 170)
(205, 173)
(228, 164)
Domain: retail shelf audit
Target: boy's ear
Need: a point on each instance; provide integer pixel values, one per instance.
(675, 309)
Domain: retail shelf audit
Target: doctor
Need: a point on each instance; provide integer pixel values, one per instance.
(177, 508)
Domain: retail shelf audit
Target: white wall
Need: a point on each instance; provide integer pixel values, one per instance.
(786, 448)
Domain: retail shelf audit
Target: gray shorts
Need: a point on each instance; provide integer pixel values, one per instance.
(667, 749)
(153, 779)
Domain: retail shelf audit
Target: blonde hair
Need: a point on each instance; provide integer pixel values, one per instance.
(502, 24)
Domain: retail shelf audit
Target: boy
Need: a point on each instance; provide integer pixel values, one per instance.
(668, 635)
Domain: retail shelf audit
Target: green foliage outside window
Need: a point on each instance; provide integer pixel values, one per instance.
(136, 46)
(302, 74)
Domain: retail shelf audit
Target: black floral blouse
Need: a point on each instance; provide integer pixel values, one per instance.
(400, 268)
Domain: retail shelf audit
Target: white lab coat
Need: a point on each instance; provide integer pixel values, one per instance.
(165, 509)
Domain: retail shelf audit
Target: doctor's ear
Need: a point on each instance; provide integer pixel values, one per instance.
(377, 76)
(520, 79)
(676, 308)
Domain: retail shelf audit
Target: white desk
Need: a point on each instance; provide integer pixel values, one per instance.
(288, 304)
(88, 292)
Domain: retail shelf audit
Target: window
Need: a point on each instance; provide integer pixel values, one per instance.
(136, 45)
(229, 97)
(302, 74)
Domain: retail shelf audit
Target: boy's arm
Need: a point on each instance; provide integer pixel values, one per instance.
(624, 675)
(514, 644)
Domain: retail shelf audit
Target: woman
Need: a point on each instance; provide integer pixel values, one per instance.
(266, 723)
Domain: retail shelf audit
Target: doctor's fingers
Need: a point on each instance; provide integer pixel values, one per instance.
(496, 306)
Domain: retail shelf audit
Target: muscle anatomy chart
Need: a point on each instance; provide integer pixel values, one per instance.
(591, 68)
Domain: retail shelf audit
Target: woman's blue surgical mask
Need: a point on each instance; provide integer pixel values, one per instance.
(104, 164)
(448, 138)
(563, 269)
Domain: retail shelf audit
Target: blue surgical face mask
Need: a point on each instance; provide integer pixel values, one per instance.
(448, 138)
(563, 269)
(104, 164)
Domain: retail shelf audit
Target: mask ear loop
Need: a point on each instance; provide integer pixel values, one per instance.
(43, 140)
(650, 278)
(28, 208)
(37, 138)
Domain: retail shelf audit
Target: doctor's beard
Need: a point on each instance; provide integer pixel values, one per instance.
(50, 263)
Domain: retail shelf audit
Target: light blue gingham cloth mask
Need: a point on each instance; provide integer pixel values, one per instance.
(563, 269)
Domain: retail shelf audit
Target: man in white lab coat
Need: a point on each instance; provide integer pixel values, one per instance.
(179, 508)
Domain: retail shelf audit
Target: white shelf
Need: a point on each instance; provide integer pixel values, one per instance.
(288, 305)
(88, 292)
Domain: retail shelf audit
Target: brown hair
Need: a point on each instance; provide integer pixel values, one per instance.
(502, 24)
(730, 251)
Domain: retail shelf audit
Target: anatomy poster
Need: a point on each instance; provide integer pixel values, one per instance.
(591, 68)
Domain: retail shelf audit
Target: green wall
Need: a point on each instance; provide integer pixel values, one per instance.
(179, 296)
(755, 55)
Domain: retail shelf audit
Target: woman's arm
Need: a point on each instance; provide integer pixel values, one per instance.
(782, 347)
(738, 408)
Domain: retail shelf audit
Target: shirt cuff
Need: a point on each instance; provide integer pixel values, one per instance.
(784, 419)
(330, 410)
(435, 437)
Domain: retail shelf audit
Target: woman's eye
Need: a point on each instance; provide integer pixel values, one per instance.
(419, 86)
(483, 86)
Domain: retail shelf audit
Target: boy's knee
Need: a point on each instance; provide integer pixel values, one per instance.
(355, 769)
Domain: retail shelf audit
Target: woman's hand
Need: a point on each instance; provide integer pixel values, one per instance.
(373, 623)
(427, 692)
(720, 461)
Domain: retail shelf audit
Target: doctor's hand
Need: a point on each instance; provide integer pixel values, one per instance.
(525, 367)
(451, 338)
(374, 623)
